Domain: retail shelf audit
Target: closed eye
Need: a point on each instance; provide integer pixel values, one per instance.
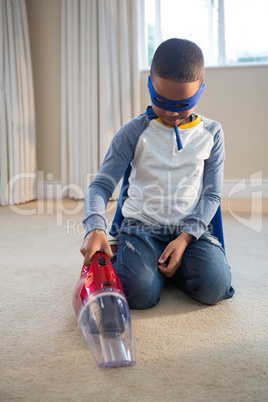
(160, 101)
(182, 104)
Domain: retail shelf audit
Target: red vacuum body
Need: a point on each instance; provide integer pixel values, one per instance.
(103, 314)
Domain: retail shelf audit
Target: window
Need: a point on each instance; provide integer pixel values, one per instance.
(228, 31)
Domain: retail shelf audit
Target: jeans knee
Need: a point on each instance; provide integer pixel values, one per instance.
(142, 286)
(209, 287)
(142, 297)
(142, 304)
(212, 292)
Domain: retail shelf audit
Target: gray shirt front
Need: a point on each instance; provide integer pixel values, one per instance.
(167, 187)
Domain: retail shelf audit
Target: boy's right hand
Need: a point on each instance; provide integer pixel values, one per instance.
(96, 240)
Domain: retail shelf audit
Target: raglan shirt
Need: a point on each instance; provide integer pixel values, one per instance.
(167, 187)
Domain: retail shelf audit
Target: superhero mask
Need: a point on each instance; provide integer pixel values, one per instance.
(174, 105)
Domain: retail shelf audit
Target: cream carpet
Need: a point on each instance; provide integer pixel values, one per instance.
(185, 351)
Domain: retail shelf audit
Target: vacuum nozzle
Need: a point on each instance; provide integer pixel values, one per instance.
(103, 314)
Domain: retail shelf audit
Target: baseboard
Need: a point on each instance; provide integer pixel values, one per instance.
(232, 189)
(245, 188)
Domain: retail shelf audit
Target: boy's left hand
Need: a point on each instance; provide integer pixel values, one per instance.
(173, 253)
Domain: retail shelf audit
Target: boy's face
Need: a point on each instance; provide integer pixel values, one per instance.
(174, 91)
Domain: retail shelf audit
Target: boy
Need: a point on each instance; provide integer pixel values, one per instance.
(174, 189)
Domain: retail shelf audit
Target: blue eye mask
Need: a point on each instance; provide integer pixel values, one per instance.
(173, 105)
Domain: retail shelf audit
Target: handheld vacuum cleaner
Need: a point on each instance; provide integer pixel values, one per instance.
(103, 315)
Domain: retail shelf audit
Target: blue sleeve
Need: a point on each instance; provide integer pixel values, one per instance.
(116, 161)
(210, 198)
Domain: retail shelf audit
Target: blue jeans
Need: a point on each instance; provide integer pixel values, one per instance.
(204, 273)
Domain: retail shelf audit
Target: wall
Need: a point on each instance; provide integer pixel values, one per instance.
(237, 97)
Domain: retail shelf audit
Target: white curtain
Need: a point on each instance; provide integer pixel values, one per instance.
(18, 178)
(100, 82)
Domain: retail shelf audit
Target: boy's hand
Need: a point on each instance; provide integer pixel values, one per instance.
(94, 241)
(174, 252)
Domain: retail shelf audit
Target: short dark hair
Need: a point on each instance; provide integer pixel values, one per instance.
(178, 60)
